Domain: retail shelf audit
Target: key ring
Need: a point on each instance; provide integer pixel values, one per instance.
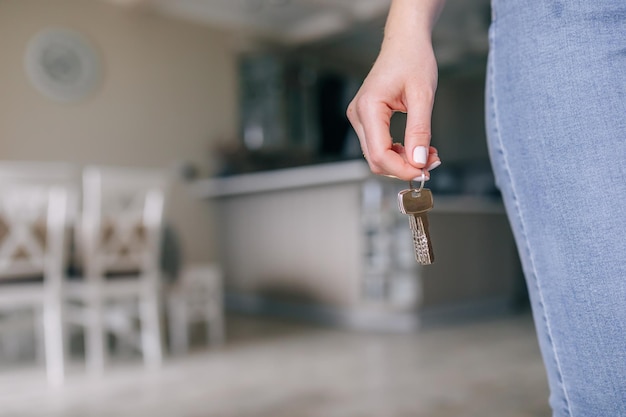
(417, 191)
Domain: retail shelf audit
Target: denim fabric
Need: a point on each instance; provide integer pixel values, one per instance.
(556, 121)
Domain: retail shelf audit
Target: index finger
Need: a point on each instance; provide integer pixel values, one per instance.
(382, 158)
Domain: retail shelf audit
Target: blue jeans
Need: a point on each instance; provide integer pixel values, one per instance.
(556, 121)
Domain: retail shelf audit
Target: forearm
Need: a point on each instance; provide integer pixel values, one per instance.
(411, 20)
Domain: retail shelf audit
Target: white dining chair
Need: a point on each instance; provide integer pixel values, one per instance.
(118, 252)
(36, 207)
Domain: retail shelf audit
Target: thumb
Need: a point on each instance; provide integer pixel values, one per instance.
(418, 128)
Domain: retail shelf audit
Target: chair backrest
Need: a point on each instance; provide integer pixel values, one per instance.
(46, 173)
(122, 219)
(35, 209)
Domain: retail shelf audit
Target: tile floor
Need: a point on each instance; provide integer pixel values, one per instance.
(278, 369)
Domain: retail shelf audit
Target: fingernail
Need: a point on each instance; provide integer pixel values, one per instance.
(419, 179)
(420, 154)
(433, 165)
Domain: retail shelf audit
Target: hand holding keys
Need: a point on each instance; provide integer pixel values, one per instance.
(416, 202)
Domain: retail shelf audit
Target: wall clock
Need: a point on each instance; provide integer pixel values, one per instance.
(62, 64)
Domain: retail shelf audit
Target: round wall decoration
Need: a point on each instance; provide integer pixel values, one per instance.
(62, 64)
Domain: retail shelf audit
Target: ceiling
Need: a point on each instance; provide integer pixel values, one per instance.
(345, 29)
(284, 21)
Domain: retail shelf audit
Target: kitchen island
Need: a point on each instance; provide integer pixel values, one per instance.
(326, 242)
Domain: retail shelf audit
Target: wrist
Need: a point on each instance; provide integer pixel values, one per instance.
(412, 20)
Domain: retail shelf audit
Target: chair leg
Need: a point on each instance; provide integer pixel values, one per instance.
(95, 338)
(122, 327)
(53, 342)
(12, 326)
(40, 337)
(178, 325)
(215, 323)
(151, 344)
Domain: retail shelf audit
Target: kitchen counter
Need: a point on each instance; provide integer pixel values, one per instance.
(330, 174)
(327, 242)
(282, 179)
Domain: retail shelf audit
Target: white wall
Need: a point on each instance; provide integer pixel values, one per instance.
(169, 91)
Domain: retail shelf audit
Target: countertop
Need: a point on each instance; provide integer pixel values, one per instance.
(328, 174)
(282, 179)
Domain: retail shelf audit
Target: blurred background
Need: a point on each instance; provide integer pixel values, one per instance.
(188, 227)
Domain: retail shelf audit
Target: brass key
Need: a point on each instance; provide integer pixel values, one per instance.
(416, 204)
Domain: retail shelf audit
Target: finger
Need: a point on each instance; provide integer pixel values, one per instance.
(396, 165)
(433, 162)
(433, 159)
(383, 158)
(418, 126)
(398, 148)
(361, 135)
(355, 121)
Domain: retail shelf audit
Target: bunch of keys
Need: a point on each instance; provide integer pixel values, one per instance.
(416, 202)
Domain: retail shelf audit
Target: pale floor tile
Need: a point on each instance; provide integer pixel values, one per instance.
(278, 369)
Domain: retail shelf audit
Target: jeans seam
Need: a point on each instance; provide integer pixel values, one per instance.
(517, 209)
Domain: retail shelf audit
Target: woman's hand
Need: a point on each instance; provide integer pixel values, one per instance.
(404, 79)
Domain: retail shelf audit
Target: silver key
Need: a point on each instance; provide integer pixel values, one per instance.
(416, 204)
